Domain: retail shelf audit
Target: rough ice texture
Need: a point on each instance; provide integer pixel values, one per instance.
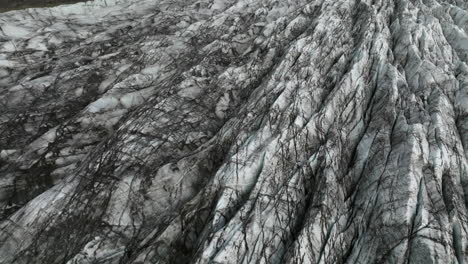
(235, 131)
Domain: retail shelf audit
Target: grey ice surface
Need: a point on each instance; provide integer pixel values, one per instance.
(235, 131)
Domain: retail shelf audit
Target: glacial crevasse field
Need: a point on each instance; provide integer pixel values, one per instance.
(235, 131)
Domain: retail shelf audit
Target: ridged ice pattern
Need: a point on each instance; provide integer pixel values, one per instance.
(235, 131)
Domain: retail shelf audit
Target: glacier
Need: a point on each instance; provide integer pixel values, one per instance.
(235, 131)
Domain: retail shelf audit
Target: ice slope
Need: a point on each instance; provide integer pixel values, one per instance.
(235, 131)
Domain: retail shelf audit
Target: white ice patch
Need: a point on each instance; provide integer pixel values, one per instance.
(8, 64)
(37, 43)
(136, 98)
(222, 106)
(103, 104)
(42, 142)
(14, 32)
